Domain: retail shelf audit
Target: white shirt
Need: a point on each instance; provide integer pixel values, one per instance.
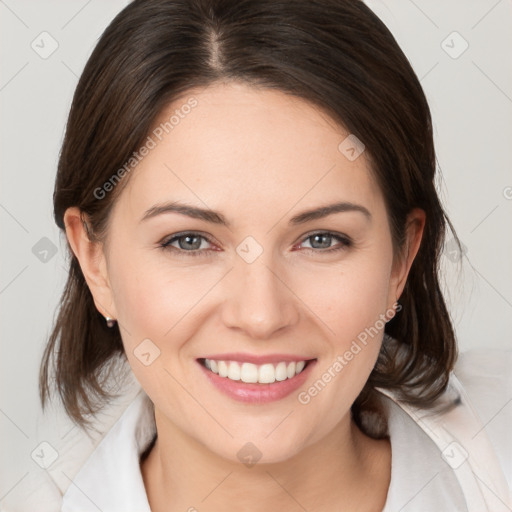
(456, 461)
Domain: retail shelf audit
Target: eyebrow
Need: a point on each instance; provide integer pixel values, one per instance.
(215, 217)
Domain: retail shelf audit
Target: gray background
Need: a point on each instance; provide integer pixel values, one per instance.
(470, 98)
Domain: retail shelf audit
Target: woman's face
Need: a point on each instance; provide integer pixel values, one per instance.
(259, 284)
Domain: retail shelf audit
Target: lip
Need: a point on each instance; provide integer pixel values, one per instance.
(258, 360)
(258, 393)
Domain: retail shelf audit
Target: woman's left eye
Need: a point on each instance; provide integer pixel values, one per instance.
(189, 243)
(324, 239)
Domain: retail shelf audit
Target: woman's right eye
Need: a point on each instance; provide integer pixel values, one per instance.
(189, 244)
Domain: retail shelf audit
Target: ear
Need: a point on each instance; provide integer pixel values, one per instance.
(415, 224)
(92, 260)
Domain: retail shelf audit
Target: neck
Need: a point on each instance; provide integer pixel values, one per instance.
(344, 467)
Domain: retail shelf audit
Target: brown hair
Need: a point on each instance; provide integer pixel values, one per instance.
(335, 54)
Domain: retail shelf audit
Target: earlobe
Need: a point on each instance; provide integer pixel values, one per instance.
(415, 226)
(92, 260)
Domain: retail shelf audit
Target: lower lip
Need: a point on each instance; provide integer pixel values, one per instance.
(258, 393)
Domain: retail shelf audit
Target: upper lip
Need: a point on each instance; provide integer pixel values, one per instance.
(258, 359)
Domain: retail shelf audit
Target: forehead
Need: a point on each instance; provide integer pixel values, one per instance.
(245, 150)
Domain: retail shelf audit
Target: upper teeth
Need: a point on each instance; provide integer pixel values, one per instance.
(252, 373)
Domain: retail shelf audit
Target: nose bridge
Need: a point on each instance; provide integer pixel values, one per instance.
(258, 300)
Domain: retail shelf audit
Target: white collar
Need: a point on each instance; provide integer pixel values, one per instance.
(111, 480)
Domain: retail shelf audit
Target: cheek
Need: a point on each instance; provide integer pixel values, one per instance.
(349, 305)
(151, 294)
(347, 299)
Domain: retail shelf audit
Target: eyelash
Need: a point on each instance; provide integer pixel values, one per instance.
(345, 243)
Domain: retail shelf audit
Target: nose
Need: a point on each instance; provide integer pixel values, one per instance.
(259, 302)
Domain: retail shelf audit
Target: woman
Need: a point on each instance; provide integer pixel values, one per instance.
(247, 189)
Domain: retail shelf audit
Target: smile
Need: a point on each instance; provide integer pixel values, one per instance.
(256, 384)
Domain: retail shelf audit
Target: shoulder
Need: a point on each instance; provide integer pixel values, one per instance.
(487, 379)
(484, 372)
(61, 449)
(469, 425)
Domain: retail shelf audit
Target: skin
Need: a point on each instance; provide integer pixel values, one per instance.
(260, 157)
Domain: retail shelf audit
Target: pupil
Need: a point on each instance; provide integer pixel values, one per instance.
(325, 237)
(188, 239)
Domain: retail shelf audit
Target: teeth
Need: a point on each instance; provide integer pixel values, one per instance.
(251, 373)
(266, 374)
(248, 372)
(233, 371)
(223, 368)
(281, 373)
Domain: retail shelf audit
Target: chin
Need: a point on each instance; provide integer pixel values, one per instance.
(258, 450)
